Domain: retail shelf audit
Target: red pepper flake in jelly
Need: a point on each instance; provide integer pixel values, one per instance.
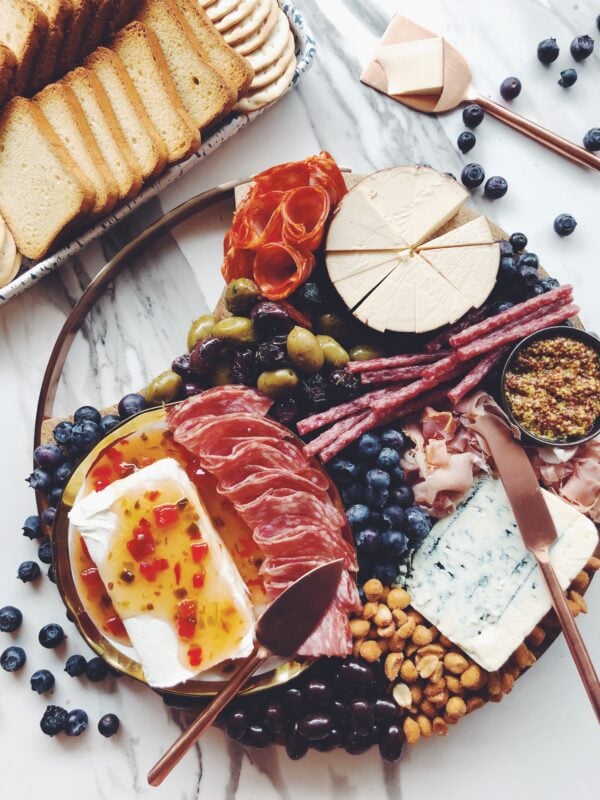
(186, 619)
(141, 545)
(161, 564)
(115, 626)
(148, 570)
(91, 578)
(166, 515)
(199, 552)
(193, 531)
(153, 495)
(195, 655)
(177, 571)
(198, 579)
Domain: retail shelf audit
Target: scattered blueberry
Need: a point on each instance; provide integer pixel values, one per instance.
(591, 140)
(343, 471)
(378, 521)
(528, 275)
(394, 439)
(565, 224)
(495, 187)
(45, 552)
(109, 422)
(10, 619)
(358, 516)
(75, 666)
(54, 720)
(51, 635)
(48, 516)
(546, 285)
(28, 571)
(506, 248)
(466, 141)
(369, 446)
(508, 268)
(96, 669)
(85, 435)
(582, 47)
(386, 573)
(547, 51)
(472, 176)
(378, 479)
(528, 260)
(32, 527)
(55, 496)
(40, 480)
(395, 516)
(368, 541)
(131, 404)
(63, 473)
(503, 306)
(402, 496)
(510, 88)
(397, 475)
(598, 22)
(518, 241)
(48, 456)
(13, 659)
(376, 497)
(108, 725)
(51, 573)
(87, 413)
(388, 459)
(418, 523)
(77, 722)
(567, 78)
(395, 543)
(472, 115)
(42, 681)
(62, 432)
(352, 494)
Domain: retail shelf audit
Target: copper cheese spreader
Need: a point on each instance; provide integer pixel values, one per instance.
(281, 630)
(538, 531)
(458, 89)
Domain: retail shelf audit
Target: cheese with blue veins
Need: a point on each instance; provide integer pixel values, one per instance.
(474, 580)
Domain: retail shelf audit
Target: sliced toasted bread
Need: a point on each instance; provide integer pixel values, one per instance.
(22, 28)
(236, 69)
(203, 91)
(64, 113)
(42, 190)
(123, 12)
(107, 131)
(77, 26)
(97, 30)
(149, 150)
(58, 13)
(141, 54)
(8, 64)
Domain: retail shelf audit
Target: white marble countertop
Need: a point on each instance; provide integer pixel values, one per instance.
(542, 741)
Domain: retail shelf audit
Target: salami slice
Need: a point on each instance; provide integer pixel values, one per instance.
(332, 636)
(403, 360)
(473, 378)
(276, 502)
(280, 268)
(221, 400)
(258, 221)
(304, 212)
(252, 457)
(254, 486)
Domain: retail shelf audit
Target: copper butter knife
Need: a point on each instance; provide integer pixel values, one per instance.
(281, 630)
(538, 532)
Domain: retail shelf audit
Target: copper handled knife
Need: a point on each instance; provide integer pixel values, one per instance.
(538, 532)
(281, 630)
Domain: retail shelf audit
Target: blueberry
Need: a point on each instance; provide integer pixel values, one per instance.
(131, 404)
(508, 268)
(472, 115)
(32, 527)
(395, 515)
(567, 78)
(108, 725)
(343, 471)
(472, 176)
(108, 422)
(506, 248)
(395, 543)
(591, 141)
(378, 521)
(28, 571)
(45, 552)
(85, 435)
(96, 669)
(528, 260)
(55, 496)
(54, 720)
(503, 306)
(546, 285)
(40, 480)
(376, 497)
(48, 516)
(48, 456)
(62, 432)
(495, 187)
(51, 635)
(386, 573)
(518, 241)
(402, 496)
(510, 88)
(63, 473)
(13, 659)
(418, 523)
(368, 541)
(310, 296)
(369, 446)
(42, 681)
(547, 51)
(398, 476)
(352, 494)
(388, 459)
(51, 573)
(86, 413)
(582, 47)
(565, 224)
(378, 478)
(394, 439)
(466, 141)
(527, 275)
(75, 666)
(77, 722)
(10, 619)
(358, 517)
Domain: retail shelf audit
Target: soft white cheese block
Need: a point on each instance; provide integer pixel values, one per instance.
(437, 302)
(392, 194)
(474, 580)
(476, 231)
(437, 199)
(154, 639)
(347, 265)
(413, 67)
(395, 296)
(361, 227)
(353, 288)
(472, 270)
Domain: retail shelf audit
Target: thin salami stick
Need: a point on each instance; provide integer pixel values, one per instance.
(513, 314)
(363, 425)
(470, 318)
(336, 413)
(393, 375)
(395, 399)
(440, 368)
(473, 378)
(329, 436)
(402, 360)
(516, 332)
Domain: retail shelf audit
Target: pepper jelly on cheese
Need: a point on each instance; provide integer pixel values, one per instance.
(474, 580)
(169, 576)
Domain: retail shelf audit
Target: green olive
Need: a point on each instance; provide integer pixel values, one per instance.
(200, 330)
(304, 351)
(334, 325)
(236, 330)
(222, 374)
(163, 388)
(334, 353)
(241, 295)
(277, 382)
(365, 352)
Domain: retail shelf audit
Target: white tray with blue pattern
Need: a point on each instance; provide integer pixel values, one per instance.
(32, 272)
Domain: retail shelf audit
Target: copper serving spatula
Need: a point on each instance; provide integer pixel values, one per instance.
(538, 532)
(281, 630)
(458, 90)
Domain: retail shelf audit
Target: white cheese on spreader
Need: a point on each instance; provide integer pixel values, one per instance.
(413, 67)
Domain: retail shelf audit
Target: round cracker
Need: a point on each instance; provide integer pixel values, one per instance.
(273, 47)
(219, 8)
(206, 3)
(270, 93)
(261, 35)
(10, 259)
(269, 74)
(236, 15)
(249, 24)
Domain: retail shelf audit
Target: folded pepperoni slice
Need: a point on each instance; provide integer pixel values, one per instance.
(280, 268)
(258, 221)
(325, 172)
(282, 177)
(238, 263)
(304, 212)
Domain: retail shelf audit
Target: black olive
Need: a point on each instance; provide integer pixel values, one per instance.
(257, 736)
(295, 745)
(243, 366)
(294, 702)
(236, 724)
(315, 726)
(356, 674)
(287, 410)
(329, 742)
(361, 714)
(274, 717)
(318, 693)
(270, 318)
(357, 742)
(343, 385)
(314, 391)
(391, 742)
(384, 710)
(272, 353)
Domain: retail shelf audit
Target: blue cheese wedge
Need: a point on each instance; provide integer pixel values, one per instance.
(474, 580)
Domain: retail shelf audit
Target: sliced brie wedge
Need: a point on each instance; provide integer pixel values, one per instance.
(471, 270)
(476, 231)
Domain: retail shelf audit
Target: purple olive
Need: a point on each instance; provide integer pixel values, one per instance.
(270, 318)
(190, 389)
(205, 355)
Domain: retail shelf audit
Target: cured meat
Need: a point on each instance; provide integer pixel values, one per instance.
(276, 502)
(332, 635)
(221, 400)
(473, 378)
(252, 457)
(473, 316)
(279, 268)
(238, 263)
(303, 215)
(392, 362)
(441, 368)
(327, 437)
(326, 173)
(393, 375)
(254, 486)
(361, 426)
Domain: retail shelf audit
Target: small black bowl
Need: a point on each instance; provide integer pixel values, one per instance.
(548, 333)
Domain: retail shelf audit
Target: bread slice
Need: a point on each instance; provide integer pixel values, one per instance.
(123, 12)
(22, 28)
(76, 28)
(107, 131)
(203, 91)
(8, 64)
(149, 150)
(236, 69)
(64, 113)
(138, 49)
(42, 190)
(97, 31)
(57, 13)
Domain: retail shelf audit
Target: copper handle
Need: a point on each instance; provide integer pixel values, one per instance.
(180, 746)
(575, 153)
(580, 655)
